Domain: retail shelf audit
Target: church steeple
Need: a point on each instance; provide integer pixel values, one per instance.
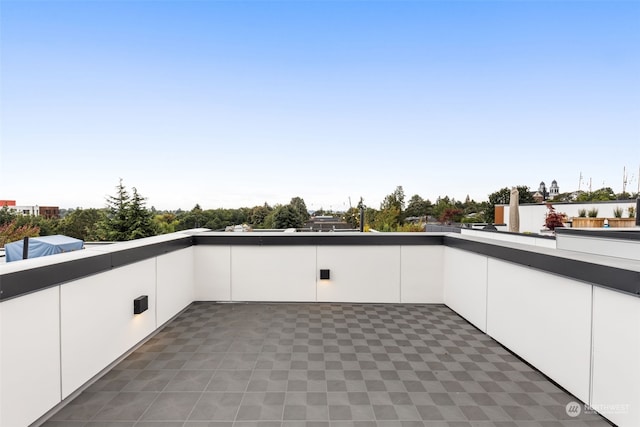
(542, 189)
(554, 190)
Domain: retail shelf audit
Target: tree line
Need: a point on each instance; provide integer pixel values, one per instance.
(126, 216)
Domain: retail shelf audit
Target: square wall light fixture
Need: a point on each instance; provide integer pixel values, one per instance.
(140, 304)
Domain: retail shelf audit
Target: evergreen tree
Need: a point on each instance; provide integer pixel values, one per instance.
(286, 217)
(115, 227)
(297, 203)
(127, 217)
(140, 219)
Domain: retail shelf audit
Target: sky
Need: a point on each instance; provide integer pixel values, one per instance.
(237, 103)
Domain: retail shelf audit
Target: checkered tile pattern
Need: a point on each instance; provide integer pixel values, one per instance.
(321, 365)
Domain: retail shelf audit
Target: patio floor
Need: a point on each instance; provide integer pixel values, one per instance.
(321, 365)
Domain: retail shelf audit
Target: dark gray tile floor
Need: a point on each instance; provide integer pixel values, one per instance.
(321, 365)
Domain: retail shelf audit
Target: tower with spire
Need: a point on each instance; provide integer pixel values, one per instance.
(554, 190)
(542, 189)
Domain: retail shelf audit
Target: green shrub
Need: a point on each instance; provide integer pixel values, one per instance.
(617, 212)
(593, 213)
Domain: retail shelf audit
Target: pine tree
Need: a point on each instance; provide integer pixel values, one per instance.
(127, 218)
(115, 226)
(140, 219)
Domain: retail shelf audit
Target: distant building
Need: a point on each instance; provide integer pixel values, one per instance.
(554, 190)
(241, 228)
(542, 189)
(48, 212)
(326, 223)
(543, 194)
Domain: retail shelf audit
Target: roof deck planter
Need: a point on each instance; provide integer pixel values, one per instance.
(622, 222)
(581, 222)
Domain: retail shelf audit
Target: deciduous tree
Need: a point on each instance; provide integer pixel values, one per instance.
(501, 197)
(602, 194)
(82, 224)
(297, 203)
(7, 215)
(286, 216)
(12, 232)
(417, 207)
(258, 215)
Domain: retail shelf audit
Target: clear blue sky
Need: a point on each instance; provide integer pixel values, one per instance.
(234, 103)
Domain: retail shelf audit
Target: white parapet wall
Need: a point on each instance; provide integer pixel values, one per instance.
(619, 243)
(545, 319)
(527, 239)
(583, 336)
(97, 324)
(532, 216)
(465, 285)
(616, 357)
(360, 273)
(29, 357)
(273, 273)
(534, 300)
(56, 340)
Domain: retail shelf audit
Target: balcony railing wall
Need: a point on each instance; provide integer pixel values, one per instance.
(573, 316)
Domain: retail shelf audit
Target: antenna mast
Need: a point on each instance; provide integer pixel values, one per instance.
(580, 181)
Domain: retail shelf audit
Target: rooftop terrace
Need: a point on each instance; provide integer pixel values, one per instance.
(321, 365)
(415, 330)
